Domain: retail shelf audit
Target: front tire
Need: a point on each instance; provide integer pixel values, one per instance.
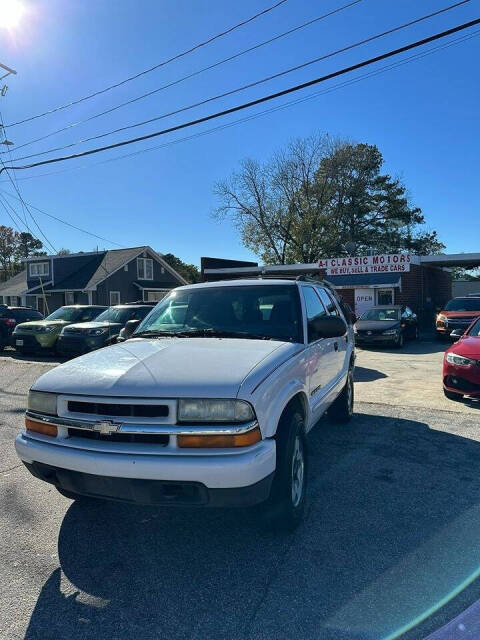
(285, 507)
(341, 410)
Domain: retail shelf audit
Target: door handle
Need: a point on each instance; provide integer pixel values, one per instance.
(335, 346)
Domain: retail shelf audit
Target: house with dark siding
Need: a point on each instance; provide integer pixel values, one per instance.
(104, 277)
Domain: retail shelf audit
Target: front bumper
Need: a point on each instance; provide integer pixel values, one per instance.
(151, 492)
(33, 341)
(139, 477)
(376, 339)
(76, 345)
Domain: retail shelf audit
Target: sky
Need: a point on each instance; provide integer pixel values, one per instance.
(423, 116)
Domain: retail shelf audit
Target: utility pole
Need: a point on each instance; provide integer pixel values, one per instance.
(3, 92)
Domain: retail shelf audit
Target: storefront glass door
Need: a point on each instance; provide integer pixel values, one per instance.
(384, 296)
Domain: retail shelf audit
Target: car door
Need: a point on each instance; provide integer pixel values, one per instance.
(320, 353)
(339, 345)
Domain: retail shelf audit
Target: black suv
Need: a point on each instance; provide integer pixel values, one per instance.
(76, 339)
(10, 317)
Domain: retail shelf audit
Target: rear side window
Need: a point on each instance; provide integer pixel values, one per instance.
(22, 315)
(328, 301)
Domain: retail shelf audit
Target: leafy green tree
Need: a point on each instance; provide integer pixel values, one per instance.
(27, 245)
(8, 248)
(189, 271)
(318, 196)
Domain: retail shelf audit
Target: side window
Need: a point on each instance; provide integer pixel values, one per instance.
(314, 309)
(328, 301)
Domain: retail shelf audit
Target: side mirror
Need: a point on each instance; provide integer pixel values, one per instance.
(326, 327)
(456, 333)
(130, 327)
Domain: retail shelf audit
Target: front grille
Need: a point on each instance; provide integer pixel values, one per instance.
(144, 438)
(73, 330)
(462, 384)
(370, 332)
(119, 410)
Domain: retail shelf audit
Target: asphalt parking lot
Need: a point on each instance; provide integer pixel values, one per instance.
(389, 546)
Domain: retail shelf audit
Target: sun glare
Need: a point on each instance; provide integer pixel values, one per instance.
(11, 12)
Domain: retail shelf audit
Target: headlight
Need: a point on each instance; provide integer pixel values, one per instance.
(441, 318)
(97, 332)
(454, 358)
(200, 410)
(42, 402)
(46, 329)
(390, 332)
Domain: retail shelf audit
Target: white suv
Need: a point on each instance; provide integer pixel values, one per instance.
(208, 403)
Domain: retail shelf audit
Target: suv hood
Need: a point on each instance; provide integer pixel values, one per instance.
(85, 326)
(165, 368)
(460, 314)
(42, 323)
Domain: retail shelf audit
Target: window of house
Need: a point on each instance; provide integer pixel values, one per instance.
(37, 269)
(155, 296)
(114, 297)
(145, 268)
(69, 297)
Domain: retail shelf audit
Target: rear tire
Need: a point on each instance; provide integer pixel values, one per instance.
(285, 507)
(341, 410)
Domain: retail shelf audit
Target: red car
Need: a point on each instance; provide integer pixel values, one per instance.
(461, 365)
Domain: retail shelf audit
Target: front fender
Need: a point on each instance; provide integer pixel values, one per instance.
(271, 402)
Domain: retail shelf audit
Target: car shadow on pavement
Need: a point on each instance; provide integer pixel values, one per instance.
(391, 532)
(364, 374)
(32, 357)
(419, 347)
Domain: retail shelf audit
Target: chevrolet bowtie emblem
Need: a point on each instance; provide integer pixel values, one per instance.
(106, 427)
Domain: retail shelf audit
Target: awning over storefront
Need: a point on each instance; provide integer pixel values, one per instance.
(365, 281)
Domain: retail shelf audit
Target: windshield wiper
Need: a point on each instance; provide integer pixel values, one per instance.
(201, 333)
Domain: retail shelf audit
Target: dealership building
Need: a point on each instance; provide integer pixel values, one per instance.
(423, 283)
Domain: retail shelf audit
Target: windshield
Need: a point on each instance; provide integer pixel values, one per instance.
(122, 314)
(262, 311)
(381, 314)
(463, 304)
(70, 314)
(475, 329)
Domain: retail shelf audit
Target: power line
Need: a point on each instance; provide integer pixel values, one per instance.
(252, 103)
(157, 66)
(68, 224)
(17, 189)
(198, 72)
(247, 86)
(259, 114)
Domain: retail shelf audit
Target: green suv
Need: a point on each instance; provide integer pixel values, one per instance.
(41, 335)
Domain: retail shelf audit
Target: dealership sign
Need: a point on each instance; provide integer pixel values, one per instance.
(398, 262)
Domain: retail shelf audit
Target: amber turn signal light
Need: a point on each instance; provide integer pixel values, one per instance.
(41, 427)
(223, 441)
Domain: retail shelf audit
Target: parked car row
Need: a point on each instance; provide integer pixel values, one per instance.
(70, 330)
